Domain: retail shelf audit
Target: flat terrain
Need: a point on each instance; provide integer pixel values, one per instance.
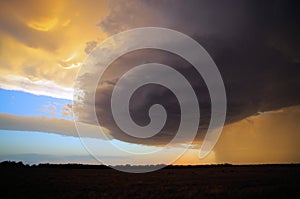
(268, 181)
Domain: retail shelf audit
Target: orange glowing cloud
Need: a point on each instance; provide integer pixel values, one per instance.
(46, 41)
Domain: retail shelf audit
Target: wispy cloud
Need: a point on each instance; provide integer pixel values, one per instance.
(36, 87)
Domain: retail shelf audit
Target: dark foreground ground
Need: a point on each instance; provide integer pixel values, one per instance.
(268, 181)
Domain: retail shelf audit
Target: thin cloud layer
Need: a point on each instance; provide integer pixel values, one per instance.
(46, 124)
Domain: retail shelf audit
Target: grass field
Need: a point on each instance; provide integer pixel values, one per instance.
(267, 181)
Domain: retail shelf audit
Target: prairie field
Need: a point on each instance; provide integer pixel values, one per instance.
(265, 181)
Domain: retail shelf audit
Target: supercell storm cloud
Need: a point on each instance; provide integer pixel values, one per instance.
(255, 45)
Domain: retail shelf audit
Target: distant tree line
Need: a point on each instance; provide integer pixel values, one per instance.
(13, 164)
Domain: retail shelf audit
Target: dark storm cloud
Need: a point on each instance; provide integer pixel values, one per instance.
(151, 94)
(255, 45)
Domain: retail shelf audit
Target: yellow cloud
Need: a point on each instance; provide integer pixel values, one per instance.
(46, 40)
(45, 24)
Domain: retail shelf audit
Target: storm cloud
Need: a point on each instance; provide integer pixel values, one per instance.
(255, 45)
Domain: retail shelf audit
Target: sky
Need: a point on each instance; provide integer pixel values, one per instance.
(44, 44)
